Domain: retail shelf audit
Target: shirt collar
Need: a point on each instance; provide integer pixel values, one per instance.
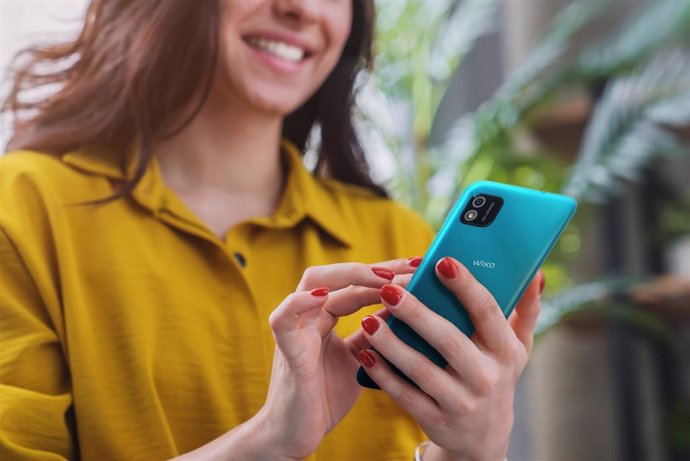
(102, 161)
(308, 196)
(304, 196)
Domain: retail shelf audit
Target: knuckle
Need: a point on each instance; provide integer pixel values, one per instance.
(415, 312)
(421, 373)
(521, 354)
(514, 349)
(360, 295)
(510, 350)
(405, 398)
(310, 274)
(364, 267)
(486, 383)
(353, 291)
(450, 346)
(464, 406)
(275, 319)
(468, 406)
(437, 419)
(359, 268)
(384, 379)
(399, 279)
(486, 306)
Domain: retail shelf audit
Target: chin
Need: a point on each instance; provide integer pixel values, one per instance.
(278, 103)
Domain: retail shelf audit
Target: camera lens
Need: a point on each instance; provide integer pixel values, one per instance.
(471, 215)
(479, 202)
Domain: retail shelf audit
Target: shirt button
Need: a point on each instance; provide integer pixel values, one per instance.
(241, 260)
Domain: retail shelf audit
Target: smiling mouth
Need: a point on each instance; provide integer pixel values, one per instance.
(278, 49)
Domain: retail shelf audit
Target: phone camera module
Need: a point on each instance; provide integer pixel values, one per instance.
(479, 202)
(481, 210)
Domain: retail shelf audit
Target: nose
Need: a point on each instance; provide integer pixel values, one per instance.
(302, 11)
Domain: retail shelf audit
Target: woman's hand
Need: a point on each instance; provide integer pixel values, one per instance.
(313, 383)
(466, 409)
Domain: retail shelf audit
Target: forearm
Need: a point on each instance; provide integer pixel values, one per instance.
(249, 441)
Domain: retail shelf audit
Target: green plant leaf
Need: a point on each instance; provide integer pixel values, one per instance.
(661, 23)
(629, 126)
(554, 309)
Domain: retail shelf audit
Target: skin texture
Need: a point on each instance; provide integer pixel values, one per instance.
(226, 167)
(243, 79)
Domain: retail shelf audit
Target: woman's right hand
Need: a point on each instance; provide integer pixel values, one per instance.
(313, 384)
(313, 381)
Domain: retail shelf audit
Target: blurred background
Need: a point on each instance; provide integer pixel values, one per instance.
(585, 97)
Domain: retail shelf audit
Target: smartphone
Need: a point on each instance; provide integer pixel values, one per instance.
(502, 234)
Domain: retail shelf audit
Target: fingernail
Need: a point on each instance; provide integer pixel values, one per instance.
(319, 291)
(448, 268)
(383, 273)
(366, 358)
(370, 324)
(542, 283)
(391, 294)
(414, 262)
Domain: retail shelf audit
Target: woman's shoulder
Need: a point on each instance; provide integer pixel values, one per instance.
(28, 163)
(35, 187)
(24, 174)
(20, 169)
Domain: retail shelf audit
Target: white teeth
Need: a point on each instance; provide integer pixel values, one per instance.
(278, 49)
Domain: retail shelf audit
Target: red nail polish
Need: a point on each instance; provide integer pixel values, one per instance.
(448, 268)
(366, 358)
(370, 324)
(391, 294)
(319, 291)
(542, 283)
(383, 272)
(414, 262)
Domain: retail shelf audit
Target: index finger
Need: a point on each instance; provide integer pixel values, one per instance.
(341, 275)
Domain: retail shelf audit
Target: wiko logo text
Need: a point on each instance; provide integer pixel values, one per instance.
(483, 263)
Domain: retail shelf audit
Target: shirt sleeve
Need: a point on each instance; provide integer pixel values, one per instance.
(35, 394)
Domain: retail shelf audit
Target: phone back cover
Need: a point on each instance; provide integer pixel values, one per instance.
(503, 256)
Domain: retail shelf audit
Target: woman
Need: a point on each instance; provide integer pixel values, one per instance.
(176, 283)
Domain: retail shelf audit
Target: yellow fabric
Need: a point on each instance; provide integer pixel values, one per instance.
(129, 331)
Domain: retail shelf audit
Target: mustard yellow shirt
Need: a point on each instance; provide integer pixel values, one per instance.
(130, 331)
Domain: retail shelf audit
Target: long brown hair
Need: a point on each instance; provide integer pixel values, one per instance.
(140, 71)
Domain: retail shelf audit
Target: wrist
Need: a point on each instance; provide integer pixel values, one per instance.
(266, 439)
(433, 452)
(252, 441)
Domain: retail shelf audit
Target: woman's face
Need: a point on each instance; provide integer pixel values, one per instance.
(274, 54)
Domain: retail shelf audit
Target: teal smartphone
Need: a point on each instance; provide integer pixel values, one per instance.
(502, 234)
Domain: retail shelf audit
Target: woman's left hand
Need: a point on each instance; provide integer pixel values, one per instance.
(465, 409)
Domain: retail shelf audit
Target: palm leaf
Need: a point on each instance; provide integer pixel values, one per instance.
(488, 131)
(599, 299)
(629, 126)
(660, 24)
(468, 20)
